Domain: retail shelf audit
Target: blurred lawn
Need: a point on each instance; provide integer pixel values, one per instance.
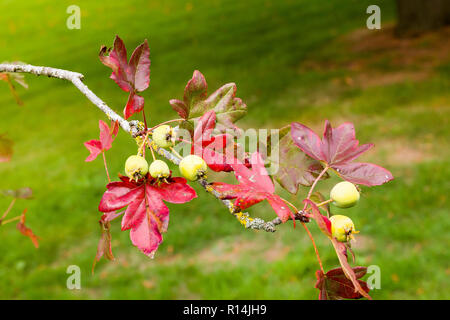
(292, 60)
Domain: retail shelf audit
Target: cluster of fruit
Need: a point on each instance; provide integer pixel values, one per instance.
(344, 195)
(192, 167)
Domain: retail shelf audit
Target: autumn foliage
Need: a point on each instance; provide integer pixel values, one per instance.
(302, 157)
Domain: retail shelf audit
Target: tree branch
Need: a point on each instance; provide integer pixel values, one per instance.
(132, 128)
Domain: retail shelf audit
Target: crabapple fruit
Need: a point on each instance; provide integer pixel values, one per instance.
(344, 194)
(342, 228)
(136, 167)
(163, 136)
(159, 169)
(193, 167)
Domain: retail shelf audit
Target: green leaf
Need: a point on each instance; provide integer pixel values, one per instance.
(295, 168)
(196, 103)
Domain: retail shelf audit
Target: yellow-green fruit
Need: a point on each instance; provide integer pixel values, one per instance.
(344, 194)
(162, 136)
(342, 228)
(136, 167)
(192, 167)
(159, 169)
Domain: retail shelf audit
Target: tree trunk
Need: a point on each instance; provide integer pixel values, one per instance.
(416, 16)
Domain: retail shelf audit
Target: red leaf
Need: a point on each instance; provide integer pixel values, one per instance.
(139, 67)
(117, 61)
(254, 186)
(212, 148)
(323, 222)
(27, 231)
(341, 252)
(146, 215)
(340, 248)
(104, 244)
(180, 107)
(196, 89)
(335, 285)
(134, 105)
(107, 136)
(94, 147)
(132, 76)
(368, 174)
(337, 149)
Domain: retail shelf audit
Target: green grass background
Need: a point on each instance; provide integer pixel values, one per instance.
(290, 61)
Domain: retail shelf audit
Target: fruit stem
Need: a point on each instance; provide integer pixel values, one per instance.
(9, 209)
(142, 146)
(315, 247)
(314, 184)
(186, 141)
(324, 202)
(176, 153)
(106, 166)
(165, 122)
(143, 116)
(153, 152)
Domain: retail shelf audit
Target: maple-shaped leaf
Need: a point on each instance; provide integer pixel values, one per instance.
(338, 148)
(27, 231)
(196, 102)
(254, 186)
(132, 76)
(341, 249)
(212, 148)
(295, 168)
(107, 136)
(146, 215)
(334, 285)
(6, 149)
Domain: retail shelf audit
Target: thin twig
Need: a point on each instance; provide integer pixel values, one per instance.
(9, 209)
(11, 220)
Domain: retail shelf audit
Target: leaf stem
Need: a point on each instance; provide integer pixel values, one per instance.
(106, 166)
(8, 209)
(314, 184)
(11, 220)
(144, 143)
(315, 247)
(309, 234)
(13, 90)
(186, 141)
